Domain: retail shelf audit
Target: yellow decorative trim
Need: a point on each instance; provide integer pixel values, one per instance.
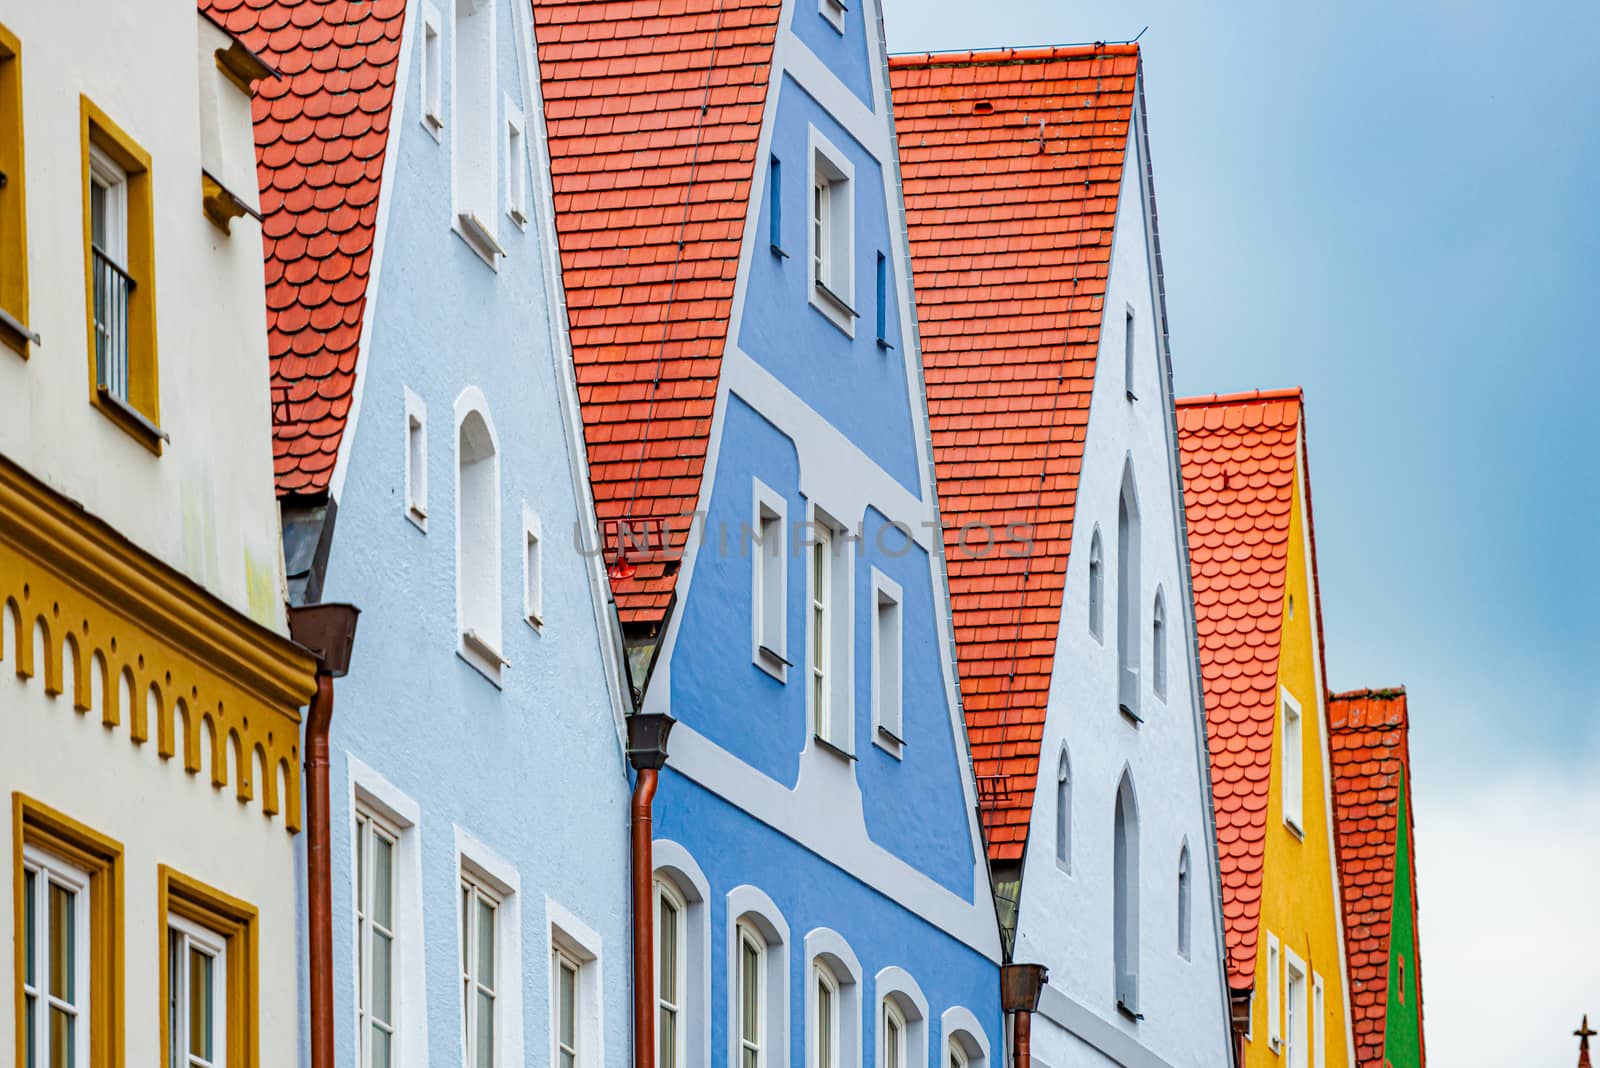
(113, 614)
(14, 332)
(36, 824)
(235, 922)
(141, 415)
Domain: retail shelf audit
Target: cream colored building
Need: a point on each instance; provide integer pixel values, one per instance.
(149, 695)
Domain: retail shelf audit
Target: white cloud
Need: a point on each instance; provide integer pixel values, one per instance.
(1509, 884)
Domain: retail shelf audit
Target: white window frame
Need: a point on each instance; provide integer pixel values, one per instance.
(48, 868)
(1274, 982)
(112, 177)
(493, 879)
(431, 82)
(665, 890)
(752, 915)
(832, 266)
(897, 1055)
(1319, 1048)
(214, 946)
(1292, 717)
(1296, 981)
(749, 937)
(416, 454)
(370, 824)
(902, 1000)
(826, 1050)
(833, 724)
(562, 962)
(515, 150)
(479, 626)
(532, 568)
(833, 11)
(965, 1043)
(475, 168)
(831, 962)
(769, 577)
(375, 797)
(576, 942)
(888, 663)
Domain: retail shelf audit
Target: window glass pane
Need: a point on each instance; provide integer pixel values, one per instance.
(382, 881)
(750, 980)
(62, 1037)
(63, 952)
(29, 933)
(97, 214)
(382, 975)
(824, 1025)
(485, 1030)
(891, 1041)
(466, 938)
(568, 1021)
(200, 1003)
(363, 829)
(667, 1032)
(382, 1048)
(668, 935)
(485, 974)
(175, 996)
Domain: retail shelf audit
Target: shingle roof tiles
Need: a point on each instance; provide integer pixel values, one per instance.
(321, 131)
(1239, 456)
(1012, 166)
(1370, 752)
(636, 167)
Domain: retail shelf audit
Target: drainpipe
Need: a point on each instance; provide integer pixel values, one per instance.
(329, 632)
(1020, 987)
(1239, 1001)
(647, 752)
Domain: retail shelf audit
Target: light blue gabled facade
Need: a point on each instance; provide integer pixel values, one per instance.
(862, 852)
(512, 776)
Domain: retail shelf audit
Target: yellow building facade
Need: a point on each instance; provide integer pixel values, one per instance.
(149, 694)
(1252, 552)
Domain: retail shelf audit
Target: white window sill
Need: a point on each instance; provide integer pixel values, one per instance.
(518, 217)
(889, 742)
(833, 11)
(476, 233)
(772, 662)
(829, 747)
(834, 308)
(1294, 829)
(418, 517)
(434, 125)
(477, 651)
(534, 621)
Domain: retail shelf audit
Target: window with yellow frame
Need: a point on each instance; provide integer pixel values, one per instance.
(14, 332)
(68, 938)
(209, 997)
(119, 274)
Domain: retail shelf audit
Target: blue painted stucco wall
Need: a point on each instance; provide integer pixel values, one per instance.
(535, 770)
(795, 385)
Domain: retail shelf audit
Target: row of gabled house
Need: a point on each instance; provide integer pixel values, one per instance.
(688, 556)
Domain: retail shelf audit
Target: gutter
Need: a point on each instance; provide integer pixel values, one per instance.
(329, 632)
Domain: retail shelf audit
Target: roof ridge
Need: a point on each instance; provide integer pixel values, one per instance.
(1285, 393)
(1029, 54)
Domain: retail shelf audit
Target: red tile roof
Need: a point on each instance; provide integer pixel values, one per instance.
(321, 133)
(637, 168)
(1368, 736)
(1239, 457)
(1012, 166)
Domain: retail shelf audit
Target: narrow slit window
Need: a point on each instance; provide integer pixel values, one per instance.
(1129, 634)
(1319, 1048)
(883, 301)
(416, 459)
(432, 71)
(1097, 586)
(775, 206)
(1183, 902)
(887, 644)
(516, 167)
(1293, 762)
(532, 568)
(1274, 984)
(1158, 646)
(1125, 893)
(769, 598)
(821, 621)
(1064, 811)
(1127, 353)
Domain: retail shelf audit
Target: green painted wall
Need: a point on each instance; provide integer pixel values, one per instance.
(1402, 1037)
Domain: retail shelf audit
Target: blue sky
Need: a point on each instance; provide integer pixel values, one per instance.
(1392, 205)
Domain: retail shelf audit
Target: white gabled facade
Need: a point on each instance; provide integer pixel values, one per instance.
(1066, 918)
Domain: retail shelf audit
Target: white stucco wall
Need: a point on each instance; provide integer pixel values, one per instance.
(1065, 920)
(206, 506)
(161, 815)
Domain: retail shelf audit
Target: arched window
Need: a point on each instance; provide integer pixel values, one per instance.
(671, 978)
(965, 1044)
(1183, 901)
(682, 963)
(478, 535)
(1064, 811)
(758, 980)
(902, 1020)
(1158, 646)
(1125, 892)
(1129, 633)
(1097, 586)
(833, 1002)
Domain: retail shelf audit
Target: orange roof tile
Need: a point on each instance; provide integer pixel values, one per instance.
(650, 197)
(1239, 454)
(321, 133)
(1368, 736)
(1012, 168)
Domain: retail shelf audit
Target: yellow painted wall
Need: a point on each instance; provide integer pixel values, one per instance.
(1299, 900)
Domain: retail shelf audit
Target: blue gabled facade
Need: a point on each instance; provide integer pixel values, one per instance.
(840, 839)
(477, 752)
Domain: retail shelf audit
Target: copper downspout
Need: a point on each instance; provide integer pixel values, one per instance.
(329, 632)
(644, 938)
(647, 752)
(319, 874)
(1020, 988)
